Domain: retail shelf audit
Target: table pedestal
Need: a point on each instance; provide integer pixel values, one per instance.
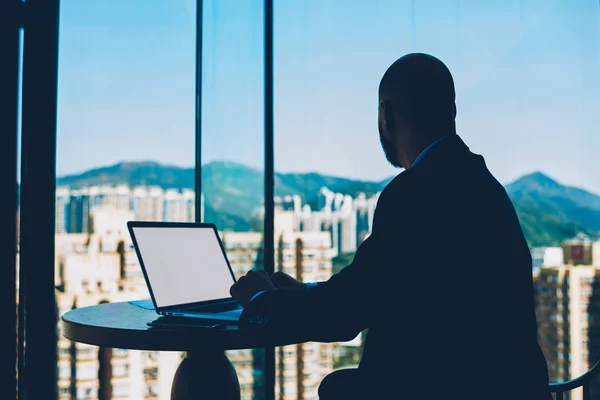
(205, 375)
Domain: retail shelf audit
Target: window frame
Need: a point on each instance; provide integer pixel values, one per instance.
(269, 165)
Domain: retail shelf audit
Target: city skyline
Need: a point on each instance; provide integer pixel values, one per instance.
(522, 70)
(568, 184)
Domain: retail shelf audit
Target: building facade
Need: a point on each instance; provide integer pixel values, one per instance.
(96, 263)
(307, 257)
(567, 306)
(90, 270)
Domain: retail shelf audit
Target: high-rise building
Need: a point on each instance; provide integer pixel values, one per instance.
(347, 230)
(149, 203)
(361, 206)
(313, 221)
(300, 368)
(325, 199)
(567, 306)
(578, 251)
(288, 203)
(118, 196)
(96, 262)
(108, 220)
(548, 256)
(189, 199)
(306, 256)
(596, 254)
(88, 272)
(285, 221)
(122, 198)
(178, 206)
(79, 216)
(348, 221)
(62, 210)
(338, 200)
(243, 249)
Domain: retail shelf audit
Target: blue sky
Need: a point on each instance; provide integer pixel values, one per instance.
(526, 72)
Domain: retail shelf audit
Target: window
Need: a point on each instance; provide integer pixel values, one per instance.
(233, 143)
(64, 371)
(85, 393)
(120, 389)
(86, 353)
(126, 150)
(120, 352)
(120, 369)
(87, 371)
(127, 82)
(495, 50)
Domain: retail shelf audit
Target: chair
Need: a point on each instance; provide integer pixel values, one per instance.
(559, 388)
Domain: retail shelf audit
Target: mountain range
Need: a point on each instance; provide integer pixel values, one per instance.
(549, 211)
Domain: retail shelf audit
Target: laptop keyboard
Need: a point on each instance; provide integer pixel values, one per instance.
(215, 308)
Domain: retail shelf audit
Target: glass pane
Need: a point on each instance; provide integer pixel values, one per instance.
(233, 147)
(528, 95)
(126, 140)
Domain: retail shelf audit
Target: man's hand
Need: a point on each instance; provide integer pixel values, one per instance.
(249, 285)
(283, 281)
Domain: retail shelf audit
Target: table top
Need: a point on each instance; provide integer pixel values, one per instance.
(124, 325)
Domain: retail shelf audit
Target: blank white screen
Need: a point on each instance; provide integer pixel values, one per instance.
(184, 265)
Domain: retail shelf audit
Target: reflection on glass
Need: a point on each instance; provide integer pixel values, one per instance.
(125, 152)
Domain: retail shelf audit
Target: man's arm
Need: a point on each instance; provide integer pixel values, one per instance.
(338, 309)
(307, 286)
(335, 310)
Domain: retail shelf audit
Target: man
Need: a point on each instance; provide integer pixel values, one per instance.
(443, 284)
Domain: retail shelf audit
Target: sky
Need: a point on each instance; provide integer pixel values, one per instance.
(526, 75)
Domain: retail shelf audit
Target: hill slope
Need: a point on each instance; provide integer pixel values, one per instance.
(232, 191)
(549, 211)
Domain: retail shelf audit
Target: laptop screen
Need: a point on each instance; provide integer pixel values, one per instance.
(183, 265)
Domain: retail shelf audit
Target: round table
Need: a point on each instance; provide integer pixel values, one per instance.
(205, 372)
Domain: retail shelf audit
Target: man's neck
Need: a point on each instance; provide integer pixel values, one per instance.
(418, 149)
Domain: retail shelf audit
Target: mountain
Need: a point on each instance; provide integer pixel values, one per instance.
(148, 173)
(549, 211)
(232, 191)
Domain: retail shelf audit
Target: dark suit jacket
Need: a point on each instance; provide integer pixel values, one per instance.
(443, 285)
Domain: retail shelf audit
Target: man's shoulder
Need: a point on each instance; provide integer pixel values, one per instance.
(398, 197)
(401, 182)
(405, 188)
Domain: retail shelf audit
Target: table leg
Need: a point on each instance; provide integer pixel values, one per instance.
(205, 375)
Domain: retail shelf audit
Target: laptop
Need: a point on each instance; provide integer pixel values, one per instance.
(186, 269)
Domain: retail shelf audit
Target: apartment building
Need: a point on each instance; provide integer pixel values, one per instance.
(92, 269)
(568, 306)
(307, 257)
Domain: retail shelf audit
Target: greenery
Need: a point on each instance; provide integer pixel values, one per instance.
(549, 211)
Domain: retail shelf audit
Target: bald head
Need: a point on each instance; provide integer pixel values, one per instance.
(417, 105)
(420, 89)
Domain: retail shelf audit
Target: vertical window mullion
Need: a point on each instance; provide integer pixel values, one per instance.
(198, 110)
(269, 239)
(38, 186)
(9, 84)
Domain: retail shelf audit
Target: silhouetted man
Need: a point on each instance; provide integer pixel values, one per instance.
(443, 284)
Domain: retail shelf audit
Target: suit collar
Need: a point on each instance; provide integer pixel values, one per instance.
(451, 148)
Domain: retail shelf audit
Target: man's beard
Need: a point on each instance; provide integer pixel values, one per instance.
(389, 148)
